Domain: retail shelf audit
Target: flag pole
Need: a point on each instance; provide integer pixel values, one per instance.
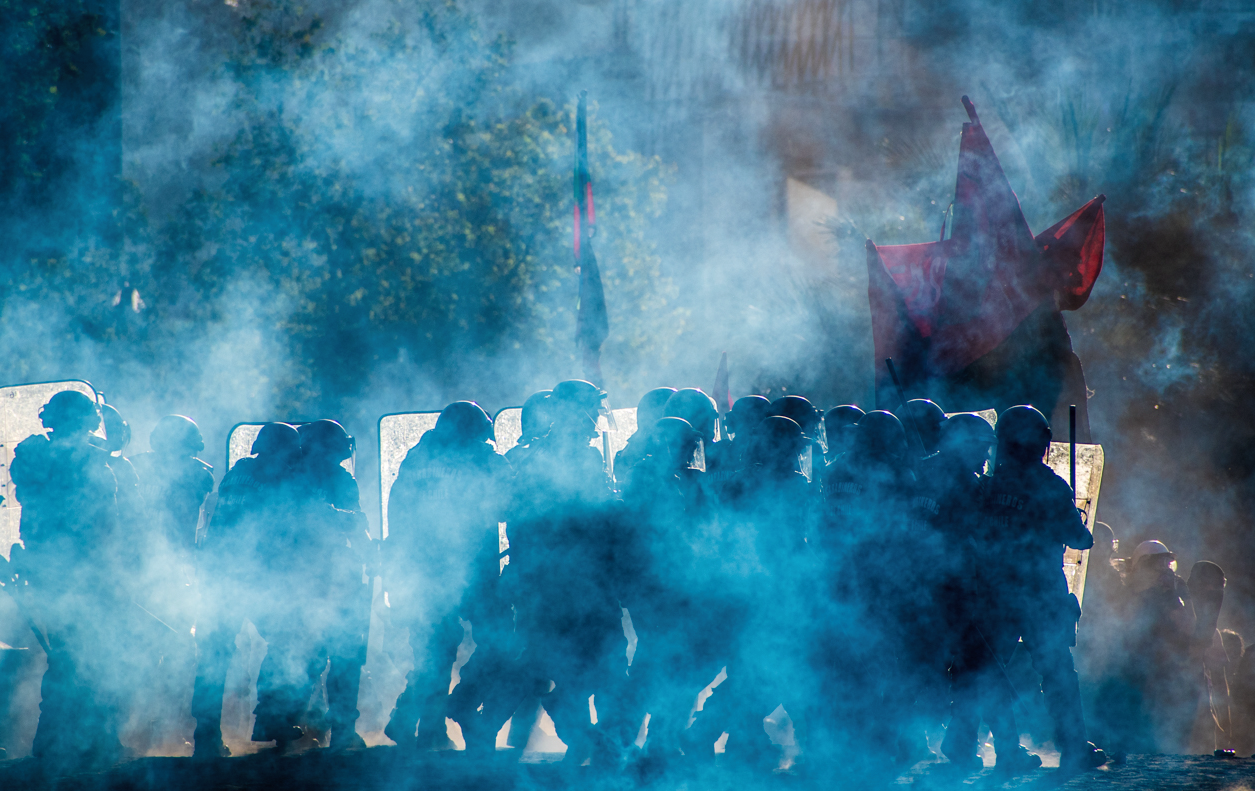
(919, 440)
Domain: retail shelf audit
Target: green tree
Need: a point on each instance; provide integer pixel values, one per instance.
(396, 193)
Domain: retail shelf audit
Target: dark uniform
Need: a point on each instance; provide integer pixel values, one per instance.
(562, 547)
(670, 563)
(865, 538)
(442, 567)
(67, 584)
(333, 504)
(945, 510)
(768, 512)
(1029, 516)
(256, 563)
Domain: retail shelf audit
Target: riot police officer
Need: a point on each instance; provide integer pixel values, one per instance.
(699, 411)
(567, 595)
(442, 569)
(534, 422)
(746, 413)
(174, 482)
(66, 583)
(670, 587)
(332, 502)
(946, 508)
(866, 492)
(1029, 516)
(251, 566)
(800, 410)
(925, 417)
(648, 411)
(838, 429)
(768, 516)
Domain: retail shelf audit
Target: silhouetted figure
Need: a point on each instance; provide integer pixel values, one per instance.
(1100, 642)
(768, 513)
(332, 502)
(1029, 516)
(699, 411)
(253, 565)
(739, 423)
(535, 418)
(839, 423)
(947, 505)
(562, 550)
(801, 411)
(925, 417)
(649, 410)
(865, 524)
(174, 482)
(671, 583)
(443, 567)
(67, 582)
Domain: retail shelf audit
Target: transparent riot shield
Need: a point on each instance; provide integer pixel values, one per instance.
(1089, 466)
(507, 428)
(397, 434)
(19, 419)
(240, 441)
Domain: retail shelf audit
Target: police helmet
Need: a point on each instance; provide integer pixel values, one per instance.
(747, 413)
(1150, 549)
(673, 438)
(966, 428)
(276, 439)
(839, 417)
(652, 406)
(117, 430)
(326, 438)
(697, 408)
(798, 409)
(777, 439)
(464, 422)
(880, 436)
(176, 435)
(1205, 575)
(70, 411)
(927, 417)
(1023, 434)
(536, 417)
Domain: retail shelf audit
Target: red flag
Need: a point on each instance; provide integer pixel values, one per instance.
(1072, 251)
(958, 299)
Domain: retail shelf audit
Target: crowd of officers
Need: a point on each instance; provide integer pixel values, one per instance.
(861, 570)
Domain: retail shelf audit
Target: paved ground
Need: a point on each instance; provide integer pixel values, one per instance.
(385, 768)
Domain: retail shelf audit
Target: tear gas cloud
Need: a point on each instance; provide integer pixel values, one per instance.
(349, 209)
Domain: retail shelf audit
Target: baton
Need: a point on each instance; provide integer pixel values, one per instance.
(1072, 447)
(893, 374)
(39, 636)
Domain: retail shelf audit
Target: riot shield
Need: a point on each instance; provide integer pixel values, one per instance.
(1089, 466)
(19, 419)
(507, 428)
(397, 434)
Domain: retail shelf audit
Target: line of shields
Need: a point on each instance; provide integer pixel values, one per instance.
(388, 654)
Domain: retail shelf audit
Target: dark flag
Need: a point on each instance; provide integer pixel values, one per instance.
(591, 323)
(939, 308)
